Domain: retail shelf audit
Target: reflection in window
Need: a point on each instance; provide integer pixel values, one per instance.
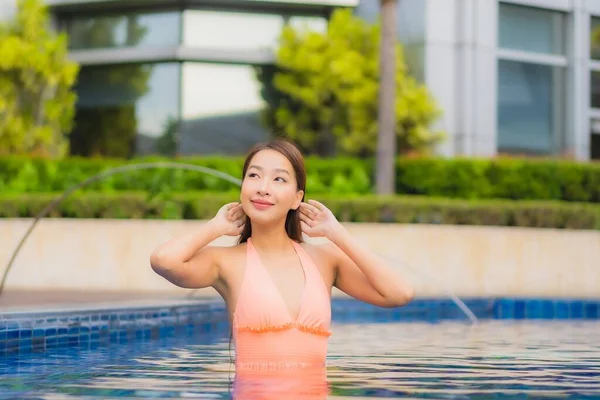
(132, 30)
(595, 89)
(595, 139)
(221, 109)
(230, 30)
(531, 29)
(595, 38)
(126, 110)
(313, 24)
(530, 108)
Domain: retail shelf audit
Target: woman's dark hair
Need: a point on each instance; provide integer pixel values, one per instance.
(293, 154)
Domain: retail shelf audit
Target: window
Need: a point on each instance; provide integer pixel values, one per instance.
(126, 110)
(531, 82)
(529, 109)
(595, 139)
(221, 109)
(314, 24)
(231, 30)
(130, 30)
(595, 89)
(531, 29)
(595, 38)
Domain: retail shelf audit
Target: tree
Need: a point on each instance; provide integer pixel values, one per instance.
(36, 78)
(386, 143)
(323, 91)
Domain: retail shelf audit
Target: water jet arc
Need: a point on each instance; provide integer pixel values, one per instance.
(459, 303)
(174, 165)
(104, 174)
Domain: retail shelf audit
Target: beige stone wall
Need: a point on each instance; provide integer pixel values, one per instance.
(467, 261)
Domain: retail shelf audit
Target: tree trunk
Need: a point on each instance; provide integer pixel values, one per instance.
(386, 142)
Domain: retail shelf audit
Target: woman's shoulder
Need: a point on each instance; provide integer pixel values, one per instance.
(325, 253)
(226, 253)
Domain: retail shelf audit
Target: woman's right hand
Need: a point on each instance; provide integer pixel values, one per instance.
(230, 219)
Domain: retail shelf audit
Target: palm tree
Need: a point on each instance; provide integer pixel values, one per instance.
(386, 145)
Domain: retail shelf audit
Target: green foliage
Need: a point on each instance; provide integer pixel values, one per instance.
(396, 209)
(36, 100)
(514, 179)
(21, 174)
(324, 92)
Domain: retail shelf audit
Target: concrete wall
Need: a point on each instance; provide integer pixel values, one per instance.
(113, 255)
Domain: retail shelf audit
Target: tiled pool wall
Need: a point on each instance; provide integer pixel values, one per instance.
(37, 332)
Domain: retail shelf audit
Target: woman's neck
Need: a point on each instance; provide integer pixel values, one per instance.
(271, 238)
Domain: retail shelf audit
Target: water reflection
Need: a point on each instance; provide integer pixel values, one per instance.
(542, 359)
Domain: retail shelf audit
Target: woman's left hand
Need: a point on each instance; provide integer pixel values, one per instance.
(317, 220)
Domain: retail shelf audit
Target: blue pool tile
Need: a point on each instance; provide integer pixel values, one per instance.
(591, 310)
(38, 332)
(577, 309)
(51, 343)
(547, 309)
(25, 344)
(519, 309)
(73, 330)
(25, 333)
(561, 309)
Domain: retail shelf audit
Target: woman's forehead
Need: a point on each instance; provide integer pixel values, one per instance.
(271, 160)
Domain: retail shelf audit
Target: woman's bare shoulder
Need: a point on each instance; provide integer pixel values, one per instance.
(323, 253)
(324, 259)
(231, 257)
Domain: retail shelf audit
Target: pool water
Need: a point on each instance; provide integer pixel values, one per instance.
(448, 360)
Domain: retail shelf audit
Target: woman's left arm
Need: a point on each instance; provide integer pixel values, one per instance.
(359, 273)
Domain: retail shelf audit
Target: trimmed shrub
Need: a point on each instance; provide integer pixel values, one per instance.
(352, 208)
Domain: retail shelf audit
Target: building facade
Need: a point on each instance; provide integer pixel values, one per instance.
(512, 76)
(519, 77)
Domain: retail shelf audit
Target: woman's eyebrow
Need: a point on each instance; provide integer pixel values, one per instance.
(283, 170)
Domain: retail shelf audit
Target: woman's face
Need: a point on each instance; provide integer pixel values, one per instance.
(269, 188)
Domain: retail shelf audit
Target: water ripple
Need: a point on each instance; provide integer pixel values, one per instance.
(541, 359)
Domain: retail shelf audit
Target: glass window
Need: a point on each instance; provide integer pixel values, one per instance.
(126, 110)
(131, 30)
(595, 139)
(530, 108)
(531, 29)
(221, 109)
(314, 24)
(595, 89)
(230, 30)
(595, 38)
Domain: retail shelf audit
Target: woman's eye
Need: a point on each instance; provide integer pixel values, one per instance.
(280, 179)
(251, 175)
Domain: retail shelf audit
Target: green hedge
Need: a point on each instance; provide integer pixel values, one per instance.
(399, 209)
(516, 179)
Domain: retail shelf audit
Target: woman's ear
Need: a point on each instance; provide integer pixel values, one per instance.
(298, 201)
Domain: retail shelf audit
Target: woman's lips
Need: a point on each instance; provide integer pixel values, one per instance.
(261, 204)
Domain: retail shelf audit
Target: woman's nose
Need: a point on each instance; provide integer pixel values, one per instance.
(263, 188)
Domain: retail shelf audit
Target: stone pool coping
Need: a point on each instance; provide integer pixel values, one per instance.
(25, 330)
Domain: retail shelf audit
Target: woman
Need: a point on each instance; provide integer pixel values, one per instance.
(277, 288)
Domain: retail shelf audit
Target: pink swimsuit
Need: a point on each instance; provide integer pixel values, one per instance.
(271, 346)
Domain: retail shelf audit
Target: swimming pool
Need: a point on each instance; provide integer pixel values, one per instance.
(438, 359)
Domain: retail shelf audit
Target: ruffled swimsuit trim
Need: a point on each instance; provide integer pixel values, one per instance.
(284, 327)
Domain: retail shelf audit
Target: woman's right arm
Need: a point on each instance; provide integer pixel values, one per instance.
(188, 261)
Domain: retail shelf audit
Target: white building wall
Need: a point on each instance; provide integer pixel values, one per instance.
(461, 70)
(7, 9)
